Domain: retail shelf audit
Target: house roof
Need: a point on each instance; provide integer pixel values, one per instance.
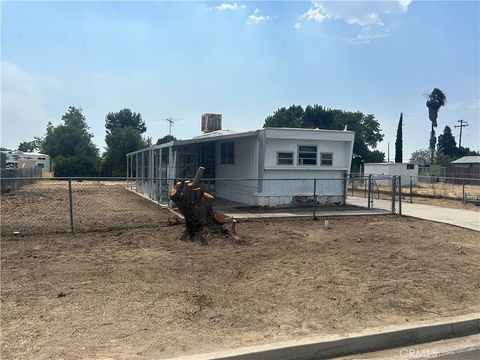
(467, 160)
(229, 134)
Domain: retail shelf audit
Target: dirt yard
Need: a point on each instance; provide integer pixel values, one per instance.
(142, 293)
(43, 208)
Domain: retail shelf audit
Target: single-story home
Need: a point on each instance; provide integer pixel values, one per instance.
(257, 167)
(379, 170)
(19, 159)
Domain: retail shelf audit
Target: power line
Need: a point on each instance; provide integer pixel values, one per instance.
(463, 124)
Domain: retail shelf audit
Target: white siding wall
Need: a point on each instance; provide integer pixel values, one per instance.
(340, 150)
(390, 169)
(245, 163)
(282, 192)
(245, 167)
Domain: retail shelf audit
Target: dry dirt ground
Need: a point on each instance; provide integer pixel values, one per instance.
(142, 293)
(43, 208)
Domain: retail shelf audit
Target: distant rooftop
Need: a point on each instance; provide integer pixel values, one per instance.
(467, 160)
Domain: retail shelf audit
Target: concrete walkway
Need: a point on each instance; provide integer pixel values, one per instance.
(464, 218)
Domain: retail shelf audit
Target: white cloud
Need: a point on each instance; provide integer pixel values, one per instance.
(364, 37)
(370, 19)
(24, 102)
(297, 25)
(314, 14)
(255, 18)
(404, 4)
(228, 6)
(367, 16)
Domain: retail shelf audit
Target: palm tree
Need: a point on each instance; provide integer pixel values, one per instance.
(435, 101)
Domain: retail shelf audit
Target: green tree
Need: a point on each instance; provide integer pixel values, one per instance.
(399, 141)
(447, 143)
(30, 146)
(436, 99)
(70, 146)
(166, 139)
(124, 118)
(366, 127)
(420, 157)
(120, 142)
(124, 129)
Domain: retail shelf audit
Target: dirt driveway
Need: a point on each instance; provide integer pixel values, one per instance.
(142, 293)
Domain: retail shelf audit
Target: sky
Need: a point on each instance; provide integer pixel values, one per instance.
(241, 59)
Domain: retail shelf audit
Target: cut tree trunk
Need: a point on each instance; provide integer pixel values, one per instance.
(195, 204)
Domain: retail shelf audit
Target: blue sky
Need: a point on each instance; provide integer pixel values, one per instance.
(241, 59)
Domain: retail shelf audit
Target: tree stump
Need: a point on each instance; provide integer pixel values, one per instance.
(195, 204)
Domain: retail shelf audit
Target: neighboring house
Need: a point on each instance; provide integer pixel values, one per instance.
(20, 159)
(262, 155)
(406, 171)
(467, 167)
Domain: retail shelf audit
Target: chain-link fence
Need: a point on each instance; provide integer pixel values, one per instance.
(244, 198)
(55, 205)
(64, 205)
(12, 179)
(466, 190)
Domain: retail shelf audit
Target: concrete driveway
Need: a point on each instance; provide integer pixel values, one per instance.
(464, 218)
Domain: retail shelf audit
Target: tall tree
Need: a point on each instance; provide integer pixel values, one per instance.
(447, 143)
(124, 118)
(366, 127)
(436, 99)
(124, 129)
(70, 146)
(399, 141)
(120, 142)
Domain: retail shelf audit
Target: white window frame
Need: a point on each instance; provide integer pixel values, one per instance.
(286, 152)
(300, 162)
(321, 158)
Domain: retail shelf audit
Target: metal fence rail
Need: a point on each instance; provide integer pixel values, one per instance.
(11, 179)
(434, 187)
(52, 205)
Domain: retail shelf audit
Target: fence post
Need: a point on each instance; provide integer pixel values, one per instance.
(411, 187)
(345, 185)
(72, 228)
(394, 195)
(400, 195)
(314, 198)
(369, 191)
(463, 191)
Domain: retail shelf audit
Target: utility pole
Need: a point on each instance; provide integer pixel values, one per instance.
(463, 124)
(170, 123)
(388, 152)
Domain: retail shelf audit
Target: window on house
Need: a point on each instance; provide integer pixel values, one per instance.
(227, 153)
(285, 158)
(41, 158)
(40, 165)
(307, 155)
(410, 166)
(326, 159)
